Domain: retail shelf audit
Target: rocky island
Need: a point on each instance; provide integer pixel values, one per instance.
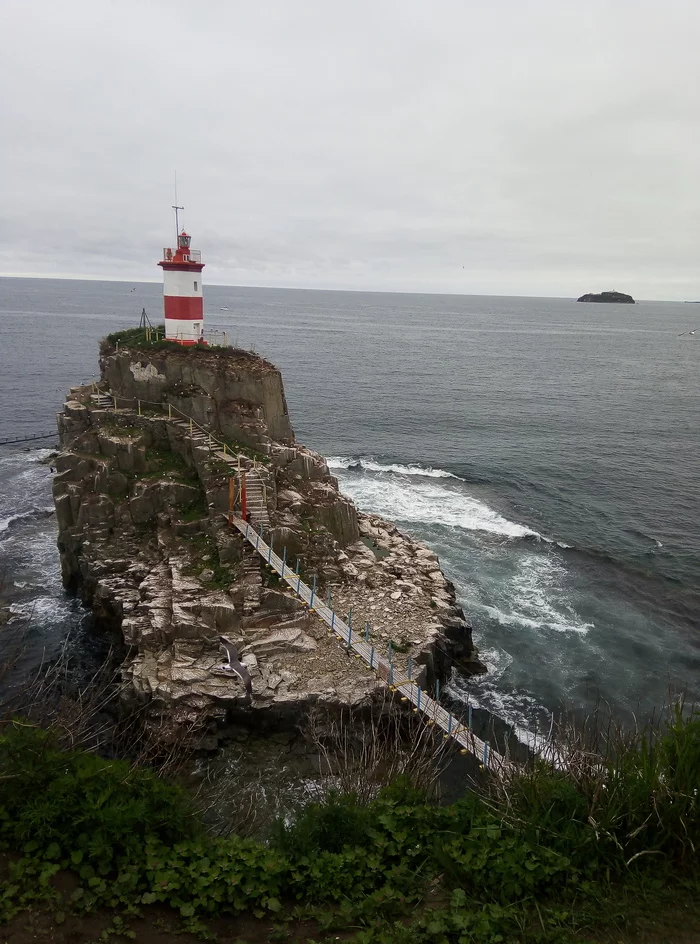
(610, 297)
(150, 456)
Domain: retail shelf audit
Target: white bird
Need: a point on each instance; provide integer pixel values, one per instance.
(235, 666)
(687, 332)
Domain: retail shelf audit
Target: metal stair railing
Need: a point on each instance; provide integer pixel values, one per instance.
(398, 681)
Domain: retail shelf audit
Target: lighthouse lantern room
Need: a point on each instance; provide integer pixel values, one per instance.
(182, 292)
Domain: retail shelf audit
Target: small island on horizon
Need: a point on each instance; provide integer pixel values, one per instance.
(610, 297)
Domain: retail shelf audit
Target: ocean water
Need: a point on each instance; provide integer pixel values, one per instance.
(549, 451)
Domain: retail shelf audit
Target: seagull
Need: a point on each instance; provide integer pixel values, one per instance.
(235, 666)
(687, 332)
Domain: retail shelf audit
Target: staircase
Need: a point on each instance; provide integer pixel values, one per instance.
(255, 499)
(252, 581)
(257, 506)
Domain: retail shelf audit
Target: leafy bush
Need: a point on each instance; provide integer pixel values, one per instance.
(329, 826)
(525, 863)
(76, 807)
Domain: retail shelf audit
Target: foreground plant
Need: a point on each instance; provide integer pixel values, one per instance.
(552, 853)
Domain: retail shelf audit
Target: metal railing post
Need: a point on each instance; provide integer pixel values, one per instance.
(284, 559)
(418, 705)
(313, 594)
(469, 716)
(366, 631)
(269, 551)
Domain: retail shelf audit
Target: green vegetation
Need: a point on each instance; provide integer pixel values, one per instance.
(234, 447)
(554, 855)
(196, 509)
(154, 339)
(163, 463)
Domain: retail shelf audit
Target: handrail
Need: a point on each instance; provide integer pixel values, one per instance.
(173, 409)
(398, 680)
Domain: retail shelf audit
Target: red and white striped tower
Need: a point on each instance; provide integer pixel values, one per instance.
(182, 292)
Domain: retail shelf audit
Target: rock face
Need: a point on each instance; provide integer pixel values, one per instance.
(140, 497)
(611, 297)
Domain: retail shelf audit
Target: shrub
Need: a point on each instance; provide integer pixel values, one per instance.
(81, 807)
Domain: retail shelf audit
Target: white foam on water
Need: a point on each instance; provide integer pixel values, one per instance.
(369, 465)
(39, 455)
(6, 522)
(517, 709)
(416, 501)
(44, 512)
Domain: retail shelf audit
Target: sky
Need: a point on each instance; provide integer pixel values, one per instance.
(509, 147)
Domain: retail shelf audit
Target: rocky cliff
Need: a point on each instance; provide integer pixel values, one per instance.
(140, 495)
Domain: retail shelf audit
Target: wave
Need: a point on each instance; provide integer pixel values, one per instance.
(418, 501)
(355, 464)
(10, 520)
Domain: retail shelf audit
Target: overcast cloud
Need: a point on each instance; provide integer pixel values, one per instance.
(539, 147)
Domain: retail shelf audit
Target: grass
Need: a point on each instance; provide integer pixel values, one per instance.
(163, 463)
(604, 849)
(234, 447)
(140, 339)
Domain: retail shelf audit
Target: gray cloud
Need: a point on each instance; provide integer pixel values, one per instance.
(534, 148)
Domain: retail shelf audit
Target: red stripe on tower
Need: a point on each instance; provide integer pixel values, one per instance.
(183, 301)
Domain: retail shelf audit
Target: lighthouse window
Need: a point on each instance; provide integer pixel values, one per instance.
(195, 286)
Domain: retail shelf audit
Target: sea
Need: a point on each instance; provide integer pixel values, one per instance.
(547, 450)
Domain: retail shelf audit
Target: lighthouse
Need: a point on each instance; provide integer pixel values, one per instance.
(182, 292)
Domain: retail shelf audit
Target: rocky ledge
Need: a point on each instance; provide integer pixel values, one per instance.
(141, 496)
(618, 298)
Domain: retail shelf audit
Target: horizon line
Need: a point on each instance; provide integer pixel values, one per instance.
(288, 288)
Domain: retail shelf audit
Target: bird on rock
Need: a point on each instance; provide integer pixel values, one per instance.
(235, 667)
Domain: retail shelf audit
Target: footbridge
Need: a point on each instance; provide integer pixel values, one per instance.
(356, 644)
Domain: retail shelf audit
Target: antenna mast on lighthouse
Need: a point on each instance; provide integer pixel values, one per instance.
(177, 222)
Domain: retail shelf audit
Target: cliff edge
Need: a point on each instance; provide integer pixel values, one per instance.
(141, 491)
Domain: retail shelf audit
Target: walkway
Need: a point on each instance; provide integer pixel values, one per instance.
(398, 681)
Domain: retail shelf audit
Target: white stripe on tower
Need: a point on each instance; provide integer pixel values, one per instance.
(182, 293)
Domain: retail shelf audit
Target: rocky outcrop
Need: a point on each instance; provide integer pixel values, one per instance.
(235, 392)
(611, 297)
(140, 501)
